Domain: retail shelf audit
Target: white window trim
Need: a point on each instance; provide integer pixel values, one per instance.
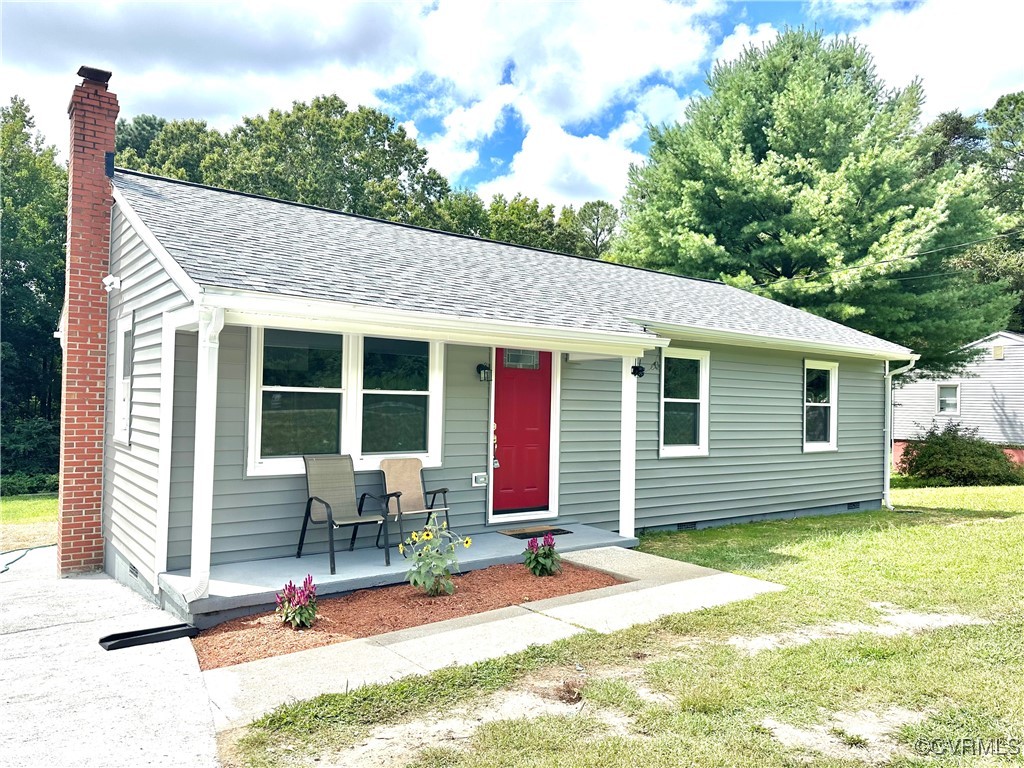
(352, 410)
(833, 402)
(701, 448)
(938, 398)
(122, 384)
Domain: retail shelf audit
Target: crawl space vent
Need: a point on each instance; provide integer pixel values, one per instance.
(853, 505)
(133, 571)
(686, 527)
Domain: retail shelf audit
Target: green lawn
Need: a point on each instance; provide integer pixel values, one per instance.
(28, 521)
(948, 550)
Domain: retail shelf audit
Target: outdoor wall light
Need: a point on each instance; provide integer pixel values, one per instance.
(111, 283)
(484, 372)
(638, 370)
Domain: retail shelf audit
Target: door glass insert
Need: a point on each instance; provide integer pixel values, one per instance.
(527, 359)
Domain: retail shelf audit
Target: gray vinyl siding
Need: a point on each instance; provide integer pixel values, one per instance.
(130, 470)
(756, 464)
(589, 450)
(260, 517)
(991, 399)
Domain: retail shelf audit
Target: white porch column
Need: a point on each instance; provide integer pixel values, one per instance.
(211, 321)
(627, 460)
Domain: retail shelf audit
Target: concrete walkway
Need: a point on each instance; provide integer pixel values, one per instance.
(66, 702)
(659, 587)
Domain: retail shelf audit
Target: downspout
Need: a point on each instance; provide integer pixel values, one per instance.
(887, 453)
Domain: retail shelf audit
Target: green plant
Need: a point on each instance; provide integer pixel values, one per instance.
(432, 554)
(297, 605)
(956, 455)
(541, 559)
(21, 483)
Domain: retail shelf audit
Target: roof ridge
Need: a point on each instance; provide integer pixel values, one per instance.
(267, 198)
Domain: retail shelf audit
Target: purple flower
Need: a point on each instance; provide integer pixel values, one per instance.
(549, 539)
(532, 545)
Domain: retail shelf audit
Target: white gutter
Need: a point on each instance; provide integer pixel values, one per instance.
(275, 310)
(887, 453)
(769, 341)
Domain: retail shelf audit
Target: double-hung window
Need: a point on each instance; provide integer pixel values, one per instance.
(396, 396)
(301, 393)
(821, 392)
(685, 393)
(947, 399)
(330, 393)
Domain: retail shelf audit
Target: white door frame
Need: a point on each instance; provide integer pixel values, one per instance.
(554, 441)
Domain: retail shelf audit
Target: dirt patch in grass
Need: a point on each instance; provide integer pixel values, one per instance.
(24, 535)
(895, 622)
(386, 609)
(864, 736)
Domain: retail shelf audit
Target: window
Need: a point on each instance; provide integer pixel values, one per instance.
(685, 386)
(947, 399)
(123, 381)
(396, 396)
(821, 391)
(301, 393)
(329, 393)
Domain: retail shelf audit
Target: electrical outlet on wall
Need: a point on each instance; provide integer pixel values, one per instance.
(479, 479)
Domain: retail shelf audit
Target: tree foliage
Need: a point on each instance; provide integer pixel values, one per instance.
(801, 177)
(33, 225)
(993, 141)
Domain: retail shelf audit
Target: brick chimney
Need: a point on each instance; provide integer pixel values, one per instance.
(93, 113)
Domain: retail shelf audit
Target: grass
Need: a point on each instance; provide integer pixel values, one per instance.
(28, 521)
(943, 550)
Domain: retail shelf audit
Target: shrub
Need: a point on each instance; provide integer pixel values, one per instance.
(31, 446)
(432, 551)
(18, 483)
(958, 456)
(297, 605)
(541, 559)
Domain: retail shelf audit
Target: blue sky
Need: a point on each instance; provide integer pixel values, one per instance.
(551, 99)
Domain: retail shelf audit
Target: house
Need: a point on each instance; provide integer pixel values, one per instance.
(211, 338)
(987, 396)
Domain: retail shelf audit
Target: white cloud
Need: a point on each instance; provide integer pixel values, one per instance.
(742, 37)
(557, 167)
(966, 58)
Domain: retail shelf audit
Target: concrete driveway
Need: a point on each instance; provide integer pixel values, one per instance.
(64, 701)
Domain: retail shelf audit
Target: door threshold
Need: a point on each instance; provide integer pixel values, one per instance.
(519, 517)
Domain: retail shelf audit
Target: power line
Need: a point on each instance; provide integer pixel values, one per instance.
(889, 261)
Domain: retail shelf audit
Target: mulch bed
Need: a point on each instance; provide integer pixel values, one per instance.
(386, 609)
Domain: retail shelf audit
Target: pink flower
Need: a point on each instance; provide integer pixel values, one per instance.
(549, 539)
(532, 546)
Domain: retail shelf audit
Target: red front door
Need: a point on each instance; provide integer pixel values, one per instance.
(522, 430)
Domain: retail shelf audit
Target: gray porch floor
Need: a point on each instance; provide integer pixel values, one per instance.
(239, 589)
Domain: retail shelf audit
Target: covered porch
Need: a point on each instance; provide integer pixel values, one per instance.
(243, 588)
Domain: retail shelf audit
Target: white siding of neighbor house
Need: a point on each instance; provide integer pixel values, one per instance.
(756, 463)
(130, 470)
(991, 398)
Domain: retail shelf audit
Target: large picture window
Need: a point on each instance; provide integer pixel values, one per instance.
(332, 393)
(821, 391)
(685, 388)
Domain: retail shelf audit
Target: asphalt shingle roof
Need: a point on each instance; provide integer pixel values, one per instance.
(229, 240)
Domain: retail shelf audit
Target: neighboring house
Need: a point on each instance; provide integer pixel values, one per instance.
(988, 396)
(240, 333)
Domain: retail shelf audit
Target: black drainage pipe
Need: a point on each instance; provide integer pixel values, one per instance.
(147, 636)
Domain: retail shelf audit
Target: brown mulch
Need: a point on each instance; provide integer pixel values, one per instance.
(386, 609)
